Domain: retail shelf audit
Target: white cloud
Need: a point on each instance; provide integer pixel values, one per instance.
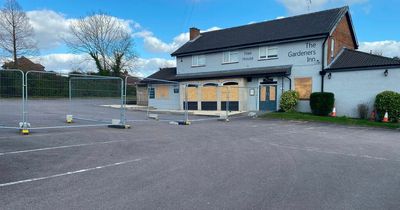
(156, 45)
(389, 48)
(51, 27)
(301, 6)
(145, 67)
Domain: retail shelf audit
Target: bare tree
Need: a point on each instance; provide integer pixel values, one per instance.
(106, 40)
(16, 33)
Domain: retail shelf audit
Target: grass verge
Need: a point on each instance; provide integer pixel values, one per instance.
(334, 120)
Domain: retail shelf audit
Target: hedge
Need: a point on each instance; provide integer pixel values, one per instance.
(322, 103)
(388, 101)
(289, 100)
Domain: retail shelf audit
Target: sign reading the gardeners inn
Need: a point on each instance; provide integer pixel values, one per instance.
(309, 52)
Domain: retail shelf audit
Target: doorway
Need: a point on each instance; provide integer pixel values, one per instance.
(268, 98)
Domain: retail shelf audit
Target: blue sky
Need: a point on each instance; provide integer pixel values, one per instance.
(160, 26)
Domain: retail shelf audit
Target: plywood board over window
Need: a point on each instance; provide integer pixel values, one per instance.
(230, 92)
(162, 92)
(304, 87)
(272, 93)
(209, 93)
(192, 93)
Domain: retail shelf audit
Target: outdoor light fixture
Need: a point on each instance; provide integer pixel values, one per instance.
(386, 73)
(329, 75)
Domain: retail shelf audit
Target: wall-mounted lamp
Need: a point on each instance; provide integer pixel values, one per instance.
(181, 60)
(386, 73)
(329, 75)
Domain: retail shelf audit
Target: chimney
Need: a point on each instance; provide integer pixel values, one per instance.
(194, 33)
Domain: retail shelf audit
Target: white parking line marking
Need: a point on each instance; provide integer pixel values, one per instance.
(59, 147)
(69, 173)
(311, 149)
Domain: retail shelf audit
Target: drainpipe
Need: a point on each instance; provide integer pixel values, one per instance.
(322, 72)
(290, 82)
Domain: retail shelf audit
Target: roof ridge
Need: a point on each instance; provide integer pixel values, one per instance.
(370, 54)
(275, 20)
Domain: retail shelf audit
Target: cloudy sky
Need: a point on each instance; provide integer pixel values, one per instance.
(160, 26)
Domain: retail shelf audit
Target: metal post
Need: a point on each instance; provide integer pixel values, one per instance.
(227, 103)
(70, 95)
(186, 104)
(123, 102)
(23, 97)
(26, 99)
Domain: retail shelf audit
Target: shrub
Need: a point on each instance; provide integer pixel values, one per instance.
(363, 111)
(289, 100)
(388, 101)
(322, 103)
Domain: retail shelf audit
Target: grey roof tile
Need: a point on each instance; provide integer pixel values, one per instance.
(351, 59)
(286, 29)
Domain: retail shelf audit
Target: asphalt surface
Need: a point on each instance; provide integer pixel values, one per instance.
(242, 164)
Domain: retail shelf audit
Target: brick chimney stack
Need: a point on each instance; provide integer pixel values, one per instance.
(194, 33)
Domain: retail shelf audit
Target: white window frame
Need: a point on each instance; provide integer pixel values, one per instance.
(267, 50)
(230, 53)
(332, 47)
(196, 60)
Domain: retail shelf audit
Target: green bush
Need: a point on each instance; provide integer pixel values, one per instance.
(289, 100)
(388, 101)
(322, 103)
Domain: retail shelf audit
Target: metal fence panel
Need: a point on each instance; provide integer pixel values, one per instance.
(11, 98)
(52, 98)
(153, 99)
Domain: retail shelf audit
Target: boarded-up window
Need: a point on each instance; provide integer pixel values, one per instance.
(272, 93)
(209, 93)
(304, 87)
(263, 93)
(162, 92)
(192, 93)
(230, 92)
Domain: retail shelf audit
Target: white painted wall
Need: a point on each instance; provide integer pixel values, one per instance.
(303, 66)
(357, 87)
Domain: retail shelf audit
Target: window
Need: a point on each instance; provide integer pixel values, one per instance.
(304, 87)
(176, 89)
(268, 53)
(230, 57)
(151, 93)
(198, 60)
(162, 92)
(332, 47)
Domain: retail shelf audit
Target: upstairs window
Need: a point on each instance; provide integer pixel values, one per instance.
(230, 57)
(332, 48)
(198, 60)
(268, 53)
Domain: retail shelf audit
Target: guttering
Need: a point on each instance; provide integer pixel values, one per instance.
(361, 68)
